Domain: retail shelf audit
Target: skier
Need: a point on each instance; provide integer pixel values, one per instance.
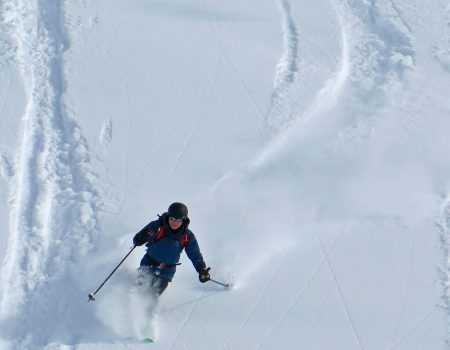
(165, 239)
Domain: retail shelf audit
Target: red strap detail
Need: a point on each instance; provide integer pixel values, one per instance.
(184, 239)
(159, 233)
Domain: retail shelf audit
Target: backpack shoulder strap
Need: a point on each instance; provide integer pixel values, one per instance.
(184, 240)
(159, 233)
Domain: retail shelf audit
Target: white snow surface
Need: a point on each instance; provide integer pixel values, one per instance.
(309, 139)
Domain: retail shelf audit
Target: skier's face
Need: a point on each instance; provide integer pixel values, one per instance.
(175, 223)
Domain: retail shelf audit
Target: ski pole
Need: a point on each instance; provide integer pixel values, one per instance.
(228, 285)
(92, 295)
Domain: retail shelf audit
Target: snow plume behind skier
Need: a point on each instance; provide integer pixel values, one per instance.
(128, 312)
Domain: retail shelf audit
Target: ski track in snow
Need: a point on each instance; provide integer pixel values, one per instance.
(382, 55)
(426, 316)
(186, 320)
(289, 63)
(128, 101)
(212, 91)
(204, 91)
(4, 97)
(341, 295)
(207, 90)
(221, 46)
(243, 83)
(6, 168)
(256, 305)
(54, 199)
(406, 286)
(442, 49)
(300, 293)
(106, 133)
(443, 223)
(286, 72)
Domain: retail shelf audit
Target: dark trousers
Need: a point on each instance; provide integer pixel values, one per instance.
(156, 285)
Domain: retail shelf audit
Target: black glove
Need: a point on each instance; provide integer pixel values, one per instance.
(140, 238)
(204, 276)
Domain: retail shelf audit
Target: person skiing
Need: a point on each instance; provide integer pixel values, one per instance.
(165, 239)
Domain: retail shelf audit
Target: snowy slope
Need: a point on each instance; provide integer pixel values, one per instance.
(309, 140)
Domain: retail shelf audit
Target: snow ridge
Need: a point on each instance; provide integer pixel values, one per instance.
(381, 56)
(286, 71)
(307, 69)
(106, 133)
(289, 62)
(52, 179)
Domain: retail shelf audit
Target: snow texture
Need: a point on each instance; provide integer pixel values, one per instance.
(309, 140)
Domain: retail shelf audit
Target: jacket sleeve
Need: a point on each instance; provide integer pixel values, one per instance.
(194, 254)
(144, 235)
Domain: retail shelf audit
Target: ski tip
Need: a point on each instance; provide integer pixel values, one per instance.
(148, 340)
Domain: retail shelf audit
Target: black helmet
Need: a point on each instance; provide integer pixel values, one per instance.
(178, 211)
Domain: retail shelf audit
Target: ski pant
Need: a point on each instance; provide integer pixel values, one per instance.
(156, 285)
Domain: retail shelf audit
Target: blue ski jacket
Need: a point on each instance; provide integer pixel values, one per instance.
(163, 254)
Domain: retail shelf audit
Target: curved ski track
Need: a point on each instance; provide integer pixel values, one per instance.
(280, 110)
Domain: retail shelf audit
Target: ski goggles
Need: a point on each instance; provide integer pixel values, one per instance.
(178, 221)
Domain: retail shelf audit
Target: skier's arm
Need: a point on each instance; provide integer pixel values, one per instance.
(143, 236)
(194, 254)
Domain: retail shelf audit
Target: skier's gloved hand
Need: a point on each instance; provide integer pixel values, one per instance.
(143, 236)
(140, 239)
(204, 276)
